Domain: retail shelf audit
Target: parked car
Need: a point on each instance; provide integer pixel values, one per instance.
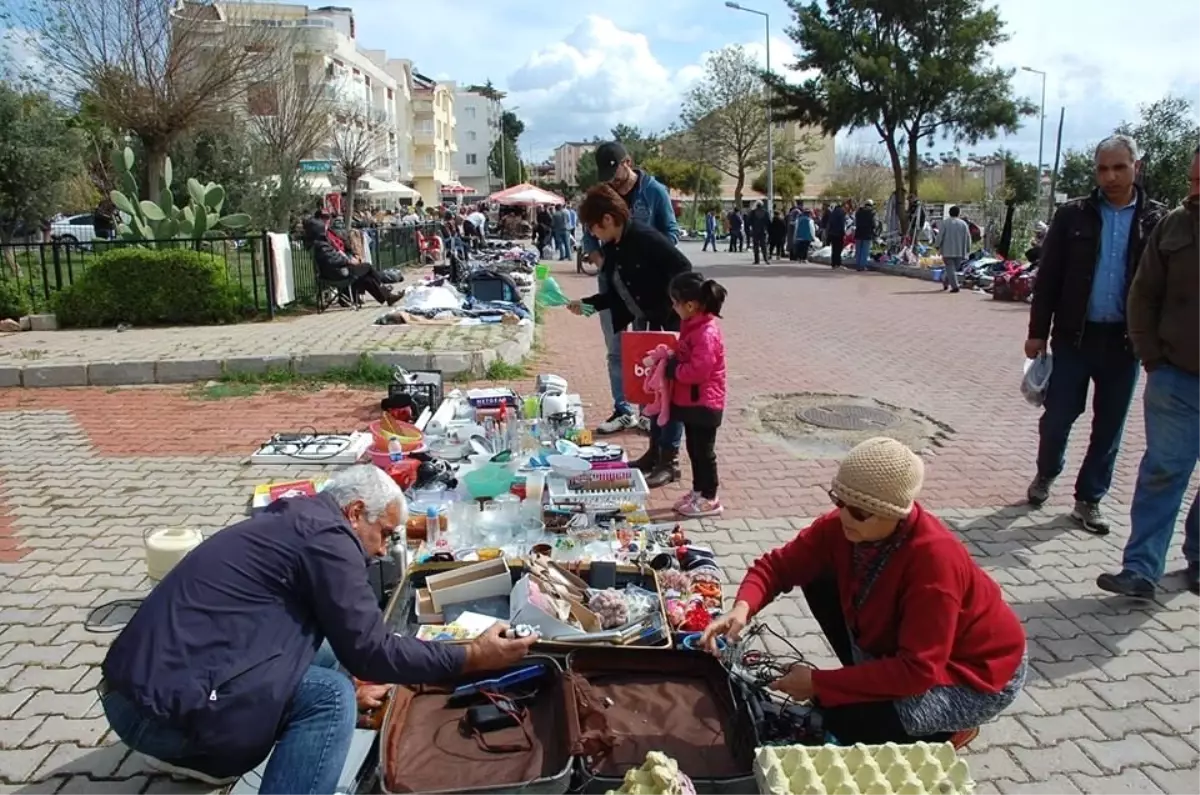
(73, 229)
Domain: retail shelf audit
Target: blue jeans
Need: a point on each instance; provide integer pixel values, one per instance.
(710, 239)
(862, 254)
(667, 437)
(309, 753)
(1172, 408)
(1102, 360)
(562, 244)
(612, 347)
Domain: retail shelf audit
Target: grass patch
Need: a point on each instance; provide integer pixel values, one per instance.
(500, 370)
(366, 372)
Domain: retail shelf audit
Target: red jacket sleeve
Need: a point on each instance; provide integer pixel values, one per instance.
(928, 617)
(796, 563)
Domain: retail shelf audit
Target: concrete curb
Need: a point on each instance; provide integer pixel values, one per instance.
(907, 271)
(187, 371)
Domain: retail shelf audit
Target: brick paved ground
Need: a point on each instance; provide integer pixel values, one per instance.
(1113, 702)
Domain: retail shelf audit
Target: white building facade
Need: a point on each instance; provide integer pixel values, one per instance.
(477, 131)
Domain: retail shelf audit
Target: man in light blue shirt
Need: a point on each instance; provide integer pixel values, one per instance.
(1088, 261)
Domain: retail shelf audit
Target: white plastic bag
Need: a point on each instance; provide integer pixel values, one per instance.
(1037, 379)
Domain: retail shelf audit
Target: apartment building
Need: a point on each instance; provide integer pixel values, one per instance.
(413, 142)
(477, 130)
(811, 145)
(566, 160)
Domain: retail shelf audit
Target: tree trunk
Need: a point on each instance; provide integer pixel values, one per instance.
(914, 166)
(898, 184)
(156, 164)
(738, 187)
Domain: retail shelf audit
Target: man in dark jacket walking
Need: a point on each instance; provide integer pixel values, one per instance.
(1088, 262)
(736, 230)
(1164, 315)
(835, 234)
(234, 655)
(760, 227)
(864, 234)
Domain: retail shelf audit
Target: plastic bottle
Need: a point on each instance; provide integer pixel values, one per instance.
(395, 450)
(433, 525)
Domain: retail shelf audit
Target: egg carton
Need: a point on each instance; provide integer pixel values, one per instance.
(912, 769)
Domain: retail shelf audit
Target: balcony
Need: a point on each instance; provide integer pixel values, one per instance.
(422, 171)
(423, 137)
(422, 107)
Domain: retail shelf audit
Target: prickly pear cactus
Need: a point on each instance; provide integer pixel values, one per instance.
(149, 221)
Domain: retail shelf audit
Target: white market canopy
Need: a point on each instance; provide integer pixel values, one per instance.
(526, 194)
(383, 188)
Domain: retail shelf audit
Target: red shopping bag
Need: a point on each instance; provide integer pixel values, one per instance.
(634, 347)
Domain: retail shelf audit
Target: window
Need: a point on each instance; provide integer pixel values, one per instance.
(472, 159)
(389, 95)
(470, 111)
(429, 160)
(471, 136)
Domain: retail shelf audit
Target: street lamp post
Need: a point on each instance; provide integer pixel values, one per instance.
(770, 126)
(1041, 123)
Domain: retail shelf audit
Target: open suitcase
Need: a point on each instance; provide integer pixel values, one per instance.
(584, 731)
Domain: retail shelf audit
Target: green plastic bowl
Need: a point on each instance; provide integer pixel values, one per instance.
(489, 481)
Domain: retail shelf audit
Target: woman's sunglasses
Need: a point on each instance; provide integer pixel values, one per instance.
(858, 514)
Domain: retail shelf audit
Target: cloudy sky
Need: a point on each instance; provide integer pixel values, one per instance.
(574, 72)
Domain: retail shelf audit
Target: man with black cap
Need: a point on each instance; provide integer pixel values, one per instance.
(649, 203)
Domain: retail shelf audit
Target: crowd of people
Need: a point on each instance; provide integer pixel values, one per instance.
(793, 232)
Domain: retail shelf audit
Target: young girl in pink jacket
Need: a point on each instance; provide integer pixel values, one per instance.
(697, 376)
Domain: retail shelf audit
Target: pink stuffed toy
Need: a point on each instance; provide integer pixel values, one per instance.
(658, 385)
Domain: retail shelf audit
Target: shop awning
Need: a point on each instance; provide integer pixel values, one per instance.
(526, 194)
(379, 188)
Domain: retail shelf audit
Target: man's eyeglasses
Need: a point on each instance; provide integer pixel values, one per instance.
(858, 514)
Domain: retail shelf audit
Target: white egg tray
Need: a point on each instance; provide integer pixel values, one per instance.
(914, 769)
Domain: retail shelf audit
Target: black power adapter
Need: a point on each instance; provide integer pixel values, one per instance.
(486, 718)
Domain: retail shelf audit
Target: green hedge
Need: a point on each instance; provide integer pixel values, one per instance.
(147, 287)
(13, 303)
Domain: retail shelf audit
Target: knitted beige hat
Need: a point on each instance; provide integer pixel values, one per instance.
(881, 476)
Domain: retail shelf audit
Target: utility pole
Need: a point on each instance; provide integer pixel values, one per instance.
(1041, 122)
(1062, 115)
(770, 124)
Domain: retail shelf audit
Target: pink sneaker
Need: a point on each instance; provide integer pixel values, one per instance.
(700, 507)
(685, 499)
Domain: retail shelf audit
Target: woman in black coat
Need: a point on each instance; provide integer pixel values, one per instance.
(638, 265)
(335, 265)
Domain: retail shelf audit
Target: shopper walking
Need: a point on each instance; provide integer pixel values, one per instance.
(736, 229)
(559, 223)
(710, 231)
(696, 373)
(639, 264)
(835, 234)
(954, 243)
(1164, 314)
(759, 227)
(1089, 259)
(806, 232)
(864, 234)
(649, 204)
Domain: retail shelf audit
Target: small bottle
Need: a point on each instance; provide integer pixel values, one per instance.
(433, 525)
(395, 450)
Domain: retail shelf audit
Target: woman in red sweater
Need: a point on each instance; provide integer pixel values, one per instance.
(928, 646)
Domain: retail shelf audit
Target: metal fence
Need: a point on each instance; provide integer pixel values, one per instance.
(39, 270)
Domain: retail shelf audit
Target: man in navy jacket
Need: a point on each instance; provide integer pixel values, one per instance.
(225, 659)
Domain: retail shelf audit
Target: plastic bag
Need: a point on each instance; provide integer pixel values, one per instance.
(1037, 379)
(549, 294)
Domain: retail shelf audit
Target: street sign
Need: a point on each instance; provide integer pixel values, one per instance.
(316, 166)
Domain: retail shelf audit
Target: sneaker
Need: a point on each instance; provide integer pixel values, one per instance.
(961, 739)
(1193, 577)
(685, 499)
(187, 772)
(643, 424)
(1039, 490)
(1126, 584)
(700, 507)
(616, 423)
(1090, 517)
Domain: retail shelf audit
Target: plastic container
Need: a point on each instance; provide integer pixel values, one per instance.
(410, 438)
(489, 481)
(165, 547)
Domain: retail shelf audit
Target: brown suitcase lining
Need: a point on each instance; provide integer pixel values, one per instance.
(423, 750)
(676, 703)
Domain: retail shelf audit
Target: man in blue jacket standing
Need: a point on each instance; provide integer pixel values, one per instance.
(236, 651)
(650, 204)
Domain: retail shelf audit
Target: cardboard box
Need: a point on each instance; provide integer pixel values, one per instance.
(426, 612)
(523, 611)
(476, 581)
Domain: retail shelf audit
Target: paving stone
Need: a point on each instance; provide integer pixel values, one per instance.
(82, 731)
(47, 787)
(29, 654)
(1117, 723)
(1133, 781)
(12, 701)
(164, 785)
(1129, 691)
(1072, 648)
(995, 763)
(1054, 699)
(1062, 757)
(17, 765)
(1055, 785)
(120, 373)
(1178, 750)
(1180, 781)
(1137, 663)
(1180, 717)
(86, 654)
(85, 786)
(10, 376)
(1005, 731)
(26, 617)
(1071, 724)
(47, 375)
(62, 680)
(14, 731)
(47, 702)
(1115, 755)
(187, 371)
(69, 759)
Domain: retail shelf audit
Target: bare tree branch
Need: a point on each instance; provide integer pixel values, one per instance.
(356, 141)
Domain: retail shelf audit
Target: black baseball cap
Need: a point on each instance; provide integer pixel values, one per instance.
(609, 157)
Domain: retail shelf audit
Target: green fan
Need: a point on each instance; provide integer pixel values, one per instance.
(550, 294)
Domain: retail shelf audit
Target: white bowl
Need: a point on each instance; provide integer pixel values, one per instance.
(567, 466)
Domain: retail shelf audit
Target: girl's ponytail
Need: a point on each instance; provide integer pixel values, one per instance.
(712, 297)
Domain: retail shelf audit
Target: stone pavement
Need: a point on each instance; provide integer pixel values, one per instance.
(307, 343)
(1113, 701)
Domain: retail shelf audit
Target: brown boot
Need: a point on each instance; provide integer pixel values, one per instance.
(648, 461)
(666, 471)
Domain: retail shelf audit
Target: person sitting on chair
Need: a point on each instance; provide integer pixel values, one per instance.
(928, 646)
(334, 265)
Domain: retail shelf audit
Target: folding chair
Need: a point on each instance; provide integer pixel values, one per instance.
(337, 292)
(429, 248)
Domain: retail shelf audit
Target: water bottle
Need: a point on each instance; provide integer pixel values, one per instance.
(395, 450)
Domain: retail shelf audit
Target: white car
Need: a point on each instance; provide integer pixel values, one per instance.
(73, 229)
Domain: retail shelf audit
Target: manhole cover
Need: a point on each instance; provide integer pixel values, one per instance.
(847, 417)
